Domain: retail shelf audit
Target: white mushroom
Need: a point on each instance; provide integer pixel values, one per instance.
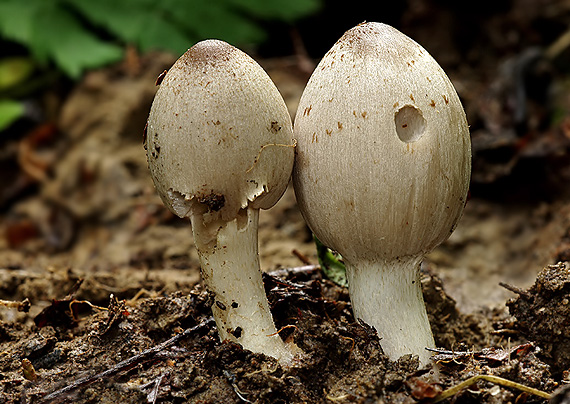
(219, 147)
(382, 172)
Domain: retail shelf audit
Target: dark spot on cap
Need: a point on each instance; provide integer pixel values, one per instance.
(274, 128)
(237, 332)
(214, 201)
(211, 52)
(234, 305)
(156, 146)
(145, 134)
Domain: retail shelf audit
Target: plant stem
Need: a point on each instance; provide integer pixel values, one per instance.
(387, 295)
(452, 391)
(230, 269)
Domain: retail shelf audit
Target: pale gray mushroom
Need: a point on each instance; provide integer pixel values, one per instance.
(219, 147)
(382, 173)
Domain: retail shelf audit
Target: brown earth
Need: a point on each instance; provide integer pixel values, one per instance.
(109, 273)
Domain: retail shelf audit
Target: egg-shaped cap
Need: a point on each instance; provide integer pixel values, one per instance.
(383, 156)
(219, 134)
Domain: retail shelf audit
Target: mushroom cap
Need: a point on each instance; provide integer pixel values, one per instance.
(219, 136)
(384, 155)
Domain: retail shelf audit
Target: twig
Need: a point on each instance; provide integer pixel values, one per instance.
(294, 270)
(283, 282)
(93, 306)
(139, 294)
(284, 328)
(153, 395)
(24, 305)
(232, 379)
(239, 394)
(514, 289)
(447, 352)
(504, 331)
(127, 363)
(450, 392)
(302, 257)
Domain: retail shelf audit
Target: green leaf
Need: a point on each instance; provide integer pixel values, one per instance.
(163, 34)
(67, 31)
(215, 19)
(133, 21)
(285, 10)
(17, 19)
(60, 37)
(123, 18)
(331, 264)
(10, 112)
(14, 71)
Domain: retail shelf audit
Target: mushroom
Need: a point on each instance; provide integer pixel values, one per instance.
(382, 172)
(219, 148)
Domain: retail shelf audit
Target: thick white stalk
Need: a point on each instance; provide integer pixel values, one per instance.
(388, 297)
(230, 269)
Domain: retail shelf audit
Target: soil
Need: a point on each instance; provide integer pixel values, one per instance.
(104, 281)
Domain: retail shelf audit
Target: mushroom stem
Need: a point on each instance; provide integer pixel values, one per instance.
(387, 295)
(229, 261)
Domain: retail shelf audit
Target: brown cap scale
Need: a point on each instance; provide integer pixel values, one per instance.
(219, 147)
(382, 172)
